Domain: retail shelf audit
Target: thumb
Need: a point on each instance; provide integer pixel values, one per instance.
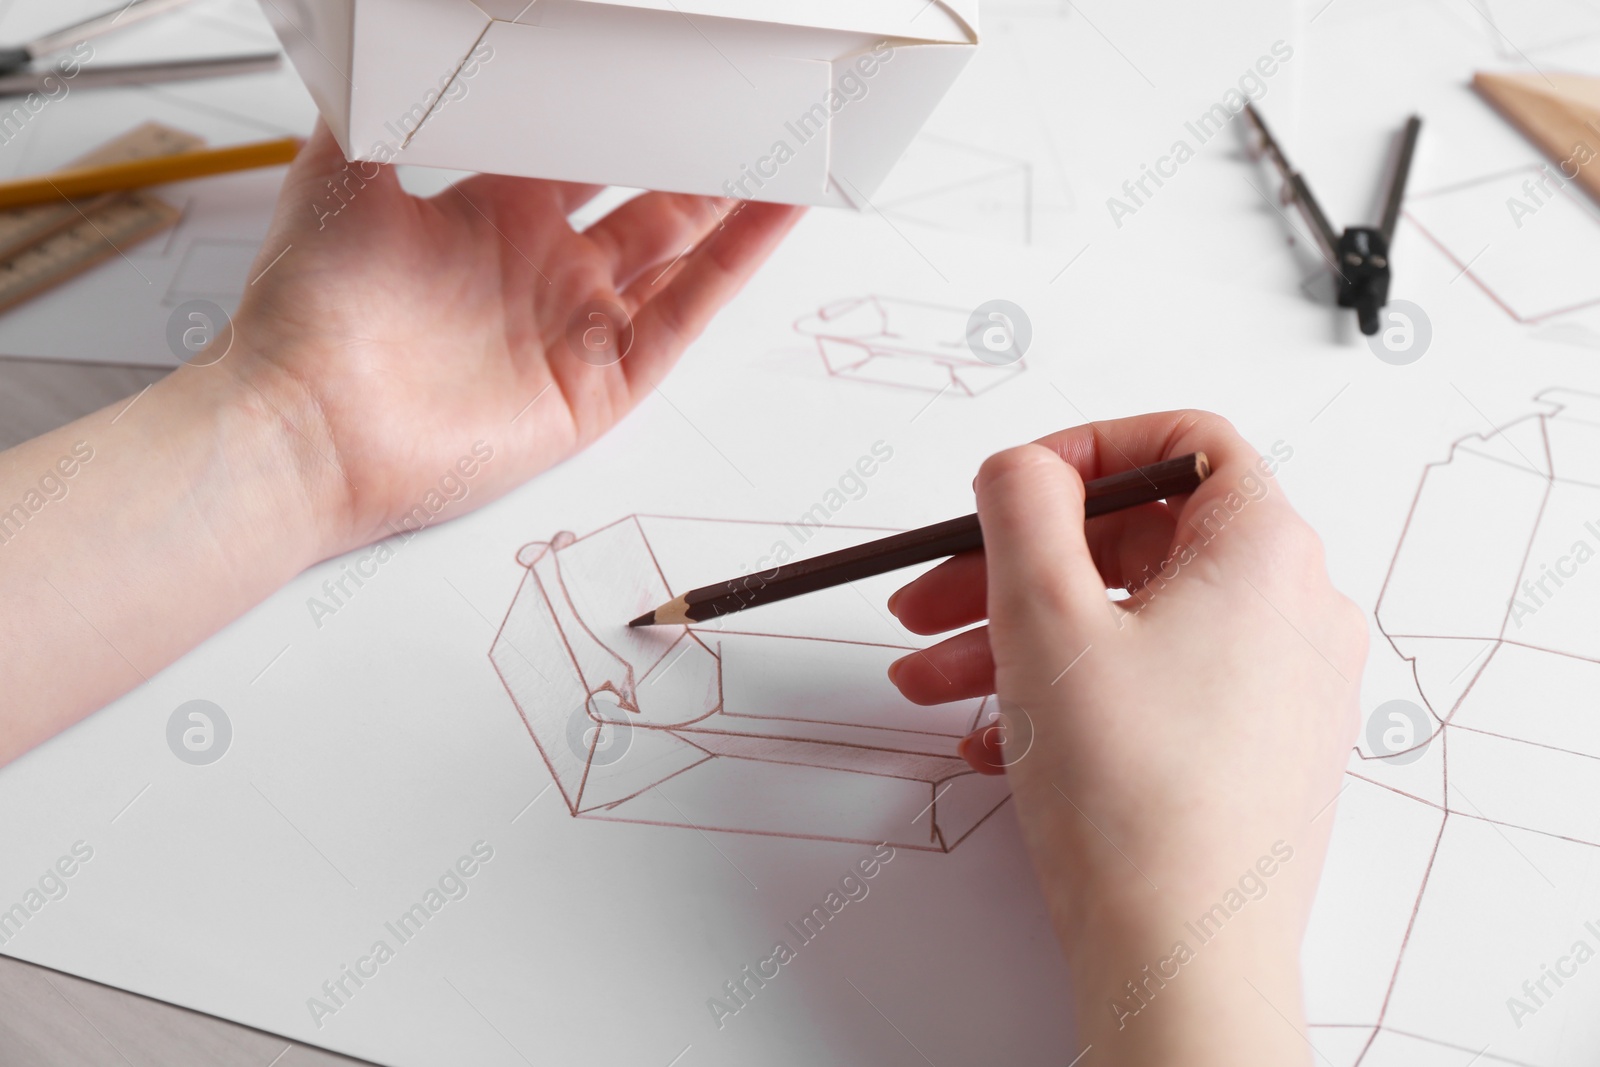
(1046, 596)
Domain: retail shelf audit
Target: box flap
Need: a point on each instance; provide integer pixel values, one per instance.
(679, 122)
(408, 52)
(948, 21)
(870, 134)
(320, 40)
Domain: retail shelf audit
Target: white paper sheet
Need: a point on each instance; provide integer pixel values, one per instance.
(375, 746)
(209, 253)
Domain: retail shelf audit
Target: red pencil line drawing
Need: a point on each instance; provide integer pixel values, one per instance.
(1491, 602)
(950, 185)
(787, 727)
(1525, 248)
(904, 344)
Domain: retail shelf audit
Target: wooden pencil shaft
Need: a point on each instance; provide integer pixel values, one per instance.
(1102, 496)
(136, 174)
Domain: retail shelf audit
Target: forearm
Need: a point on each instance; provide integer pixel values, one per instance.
(132, 534)
(1152, 992)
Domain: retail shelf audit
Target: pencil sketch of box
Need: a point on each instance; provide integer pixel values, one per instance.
(778, 721)
(903, 343)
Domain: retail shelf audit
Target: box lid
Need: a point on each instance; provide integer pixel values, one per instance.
(943, 21)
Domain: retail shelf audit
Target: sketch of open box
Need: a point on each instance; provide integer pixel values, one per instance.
(903, 343)
(780, 721)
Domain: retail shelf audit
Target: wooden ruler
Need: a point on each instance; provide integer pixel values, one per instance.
(47, 244)
(1558, 112)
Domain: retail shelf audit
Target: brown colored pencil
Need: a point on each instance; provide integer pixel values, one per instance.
(1142, 485)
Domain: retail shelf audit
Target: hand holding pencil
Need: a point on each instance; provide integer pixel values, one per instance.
(1164, 750)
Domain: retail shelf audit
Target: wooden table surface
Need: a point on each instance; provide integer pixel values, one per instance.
(50, 1019)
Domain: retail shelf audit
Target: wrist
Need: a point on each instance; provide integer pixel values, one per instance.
(286, 501)
(1158, 983)
(1172, 997)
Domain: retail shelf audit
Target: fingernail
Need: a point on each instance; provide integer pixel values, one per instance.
(894, 669)
(894, 599)
(981, 753)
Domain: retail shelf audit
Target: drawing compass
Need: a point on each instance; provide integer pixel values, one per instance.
(1359, 257)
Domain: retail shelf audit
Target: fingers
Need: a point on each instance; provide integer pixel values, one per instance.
(952, 595)
(1044, 587)
(529, 215)
(652, 281)
(564, 197)
(1127, 547)
(1111, 447)
(649, 232)
(1097, 449)
(957, 668)
(983, 750)
(707, 279)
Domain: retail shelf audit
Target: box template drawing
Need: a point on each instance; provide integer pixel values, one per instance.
(903, 343)
(1497, 616)
(757, 99)
(1491, 598)
(778, 721)
(1508, 256)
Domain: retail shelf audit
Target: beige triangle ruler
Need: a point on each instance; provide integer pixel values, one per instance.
(46, 244)
(1558, 112)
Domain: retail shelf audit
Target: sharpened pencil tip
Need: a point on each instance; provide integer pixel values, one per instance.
(672, 613)
(1202, 465)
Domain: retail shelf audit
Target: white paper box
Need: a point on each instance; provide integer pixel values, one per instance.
(762, 100)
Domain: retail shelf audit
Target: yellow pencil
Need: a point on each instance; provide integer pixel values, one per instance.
(78, 182)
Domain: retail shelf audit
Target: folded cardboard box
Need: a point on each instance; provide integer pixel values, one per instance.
(754, 99)
(777, 721)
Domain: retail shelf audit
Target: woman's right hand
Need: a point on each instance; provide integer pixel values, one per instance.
(1174, 756)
